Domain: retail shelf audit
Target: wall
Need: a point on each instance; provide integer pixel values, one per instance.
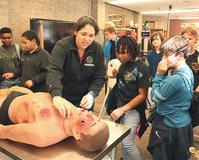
(100, 12)
(175, 25)
(160, 22)
(128, 15)
(17, 13)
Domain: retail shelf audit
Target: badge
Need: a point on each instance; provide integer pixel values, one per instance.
(89, 60)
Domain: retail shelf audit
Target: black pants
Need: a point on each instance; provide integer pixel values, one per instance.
(168, 143)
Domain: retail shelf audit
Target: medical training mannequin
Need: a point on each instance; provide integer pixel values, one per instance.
(30, 118)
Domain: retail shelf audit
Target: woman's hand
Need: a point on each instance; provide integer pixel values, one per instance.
(117, 113)
(87, 101)
(63, 106)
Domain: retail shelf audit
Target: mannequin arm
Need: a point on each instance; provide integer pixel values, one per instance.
(37, 134)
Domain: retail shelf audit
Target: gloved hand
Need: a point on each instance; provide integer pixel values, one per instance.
(63, 106)
(87, 101)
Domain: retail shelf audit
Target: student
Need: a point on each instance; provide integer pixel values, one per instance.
(76, 68)
(30, 118)
(155, 56)
(171, 134)
(9, 60)
(110, 45)
(33, 62)
(192, 61)
(131, 92)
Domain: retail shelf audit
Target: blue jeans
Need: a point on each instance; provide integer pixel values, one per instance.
(131, 118)
(9, 83)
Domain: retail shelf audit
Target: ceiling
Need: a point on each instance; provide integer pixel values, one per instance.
(163, 5)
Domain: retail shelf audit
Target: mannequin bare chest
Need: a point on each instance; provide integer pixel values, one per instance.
(31, 107)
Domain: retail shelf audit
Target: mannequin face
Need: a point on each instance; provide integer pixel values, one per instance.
(85, 118)
(81, 121)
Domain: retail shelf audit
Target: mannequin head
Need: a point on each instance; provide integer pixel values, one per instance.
(90, 133)
(95, 137)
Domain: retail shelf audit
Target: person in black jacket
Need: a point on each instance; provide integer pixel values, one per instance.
(9, 60)
(192, 61)
(33, 63)
(76, 67)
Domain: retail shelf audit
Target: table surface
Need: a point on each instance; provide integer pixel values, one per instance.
(64, 149)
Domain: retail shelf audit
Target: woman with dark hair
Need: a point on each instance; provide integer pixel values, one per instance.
(155, 56)
(33, 62)
(76, 69)
(131, 92)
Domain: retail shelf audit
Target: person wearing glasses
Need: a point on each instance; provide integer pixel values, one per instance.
(76, 68)
(25, 117)
(192, 61)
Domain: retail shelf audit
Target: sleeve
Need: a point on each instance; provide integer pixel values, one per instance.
(162, 88)
(105, 49)
(144, 76)
(98, 78)
(19, 51)
(55, 69)
(41, 77)
(18, 71)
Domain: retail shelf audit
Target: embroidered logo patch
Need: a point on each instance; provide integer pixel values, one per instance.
(89, 59)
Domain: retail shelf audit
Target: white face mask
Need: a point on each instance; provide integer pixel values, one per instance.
(172, 60)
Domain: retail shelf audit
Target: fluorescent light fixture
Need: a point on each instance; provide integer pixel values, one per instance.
(173, 11)
(128, 1)
(186, 18)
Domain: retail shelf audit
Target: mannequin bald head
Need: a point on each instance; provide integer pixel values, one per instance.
(95, 138)
(89, 132)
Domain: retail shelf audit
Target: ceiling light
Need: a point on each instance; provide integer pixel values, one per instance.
(173, 11)
(185, 18)
(128, 1)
